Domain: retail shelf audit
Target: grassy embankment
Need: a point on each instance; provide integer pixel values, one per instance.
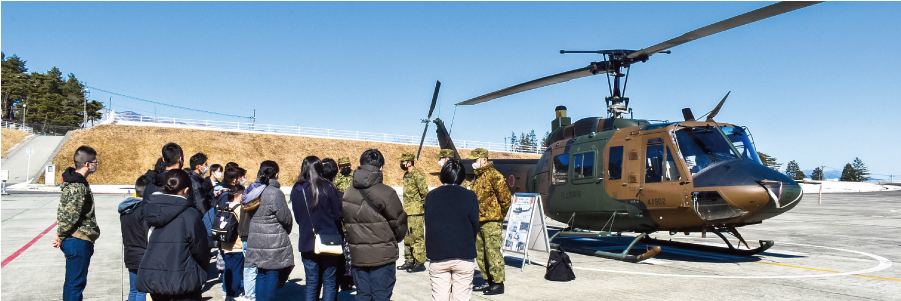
(11, 138)
(126, 152)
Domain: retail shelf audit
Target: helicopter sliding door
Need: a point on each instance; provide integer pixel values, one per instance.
(574, 179)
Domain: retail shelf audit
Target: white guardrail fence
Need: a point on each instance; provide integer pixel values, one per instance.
(113, 117)
(16, 126)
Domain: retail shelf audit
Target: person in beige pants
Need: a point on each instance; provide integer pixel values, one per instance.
(451, 222)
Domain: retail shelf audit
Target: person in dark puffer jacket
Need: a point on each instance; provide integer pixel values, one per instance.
(134, 236)
(175, 265)
(373, 233)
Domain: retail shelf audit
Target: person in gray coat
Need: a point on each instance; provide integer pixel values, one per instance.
(268, 247)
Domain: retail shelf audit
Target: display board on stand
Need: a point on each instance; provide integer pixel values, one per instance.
(526, 228)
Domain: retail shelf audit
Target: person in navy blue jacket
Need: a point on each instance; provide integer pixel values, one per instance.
(451, 222)
(317, 210)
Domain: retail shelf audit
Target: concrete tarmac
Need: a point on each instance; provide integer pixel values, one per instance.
(843, 249)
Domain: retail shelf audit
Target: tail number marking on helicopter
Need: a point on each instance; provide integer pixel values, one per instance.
(657, 201)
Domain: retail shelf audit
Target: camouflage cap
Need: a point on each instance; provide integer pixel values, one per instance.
(478, 153)
(407, 157)
(445, 153)
(343, 160)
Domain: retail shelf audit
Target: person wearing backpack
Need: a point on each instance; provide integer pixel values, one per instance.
(232, 248)
(375, 221)
(268, 247)
(175, 264)
(452, 220)
(317, 211)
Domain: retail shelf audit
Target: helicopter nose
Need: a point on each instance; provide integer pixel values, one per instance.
(751, 186)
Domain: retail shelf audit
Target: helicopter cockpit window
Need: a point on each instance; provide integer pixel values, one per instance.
(742, 141)
(561, 166)
(583, 165)
(703, 146)
(654, 164)
(672, 171)
(615, 163)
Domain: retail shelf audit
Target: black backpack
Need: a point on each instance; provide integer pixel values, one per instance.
(225, 223)
(559, 267)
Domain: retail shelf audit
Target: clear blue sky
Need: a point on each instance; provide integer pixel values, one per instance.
(818, 85)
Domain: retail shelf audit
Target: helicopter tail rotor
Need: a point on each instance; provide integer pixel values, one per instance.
(429, 118)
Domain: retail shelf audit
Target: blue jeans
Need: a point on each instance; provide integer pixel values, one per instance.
(133, 293)
(320, 273)
(233, 274)
(78, 257)
(250, 281)
(375, 283)
(267, 281)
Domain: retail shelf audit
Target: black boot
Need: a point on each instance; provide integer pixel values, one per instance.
(482, 287)
(416, 268)
(495, 289)
(406, 266)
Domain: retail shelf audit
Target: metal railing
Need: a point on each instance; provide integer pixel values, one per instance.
(311, 132)
(16, 126)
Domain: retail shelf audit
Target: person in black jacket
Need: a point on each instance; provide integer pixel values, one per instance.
(452, 220)
(172, 158)
(374, 228)
(134, 236)
(317, 210)
(200, 193)
(175, 265)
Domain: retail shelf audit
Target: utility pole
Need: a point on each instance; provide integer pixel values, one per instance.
(84, 125)
(24, 104)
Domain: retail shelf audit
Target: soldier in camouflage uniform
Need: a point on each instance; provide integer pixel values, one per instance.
(443, 155)
(494, 201)
(346, 175)
(415, 190)
(77, 222)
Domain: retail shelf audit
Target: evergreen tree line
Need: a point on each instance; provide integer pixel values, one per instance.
(52, 104)
(524, 142)
(855, 171)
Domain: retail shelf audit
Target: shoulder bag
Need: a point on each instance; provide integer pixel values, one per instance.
(323, 243)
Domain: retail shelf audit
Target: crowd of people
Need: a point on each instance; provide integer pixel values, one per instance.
(349, 227)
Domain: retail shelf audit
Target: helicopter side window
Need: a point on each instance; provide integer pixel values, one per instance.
(615, 163)
(583, 165)
(672, 171)
(561, 165)
(654, 167)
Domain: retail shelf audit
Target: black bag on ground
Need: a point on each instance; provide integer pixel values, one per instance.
(225, 223)
(559, 267)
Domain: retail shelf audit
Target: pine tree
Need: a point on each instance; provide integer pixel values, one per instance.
(513, 141)
(794, 171)
(860, 171)
(769, 161)
(848, 173)
(818, 174)
(544, 139)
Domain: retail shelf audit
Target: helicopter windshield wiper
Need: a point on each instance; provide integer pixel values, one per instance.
(691, 134)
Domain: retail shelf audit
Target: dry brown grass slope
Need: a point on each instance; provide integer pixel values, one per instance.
(126, 152)
(11, 138)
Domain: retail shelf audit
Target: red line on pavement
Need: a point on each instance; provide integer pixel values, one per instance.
(26, 246)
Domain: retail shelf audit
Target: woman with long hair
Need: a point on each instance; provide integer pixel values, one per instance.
(175, 265)
(317, 210)
(268, 246)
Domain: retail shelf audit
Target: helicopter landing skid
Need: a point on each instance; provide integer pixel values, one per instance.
(731, 250)
(624, 256)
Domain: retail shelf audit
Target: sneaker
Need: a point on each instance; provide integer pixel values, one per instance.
(495, 289)
(416, 268)
(482, 287)
(406, 266)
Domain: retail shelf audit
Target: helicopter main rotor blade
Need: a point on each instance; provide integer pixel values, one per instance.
(593, 69)
(434, 98)
(752, 16)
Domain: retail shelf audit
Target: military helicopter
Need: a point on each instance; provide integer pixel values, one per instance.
(614, 174)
